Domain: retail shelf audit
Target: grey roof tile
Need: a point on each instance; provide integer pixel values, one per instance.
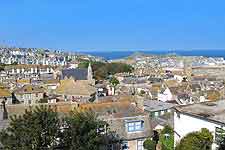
(78, 74)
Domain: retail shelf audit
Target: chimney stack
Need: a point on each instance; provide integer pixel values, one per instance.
(5, 113)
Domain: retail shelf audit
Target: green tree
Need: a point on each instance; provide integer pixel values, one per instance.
(34, 130)
(14, 63)
(220, 138)
(83, 64)
(83, 131)
(149, 144)
(41, 129)
(142, 92)
(200, 140)
(167, 138)
(103, 70)
(43, 100)
(113, 81)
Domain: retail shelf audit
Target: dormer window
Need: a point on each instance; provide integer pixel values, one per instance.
(133, 126)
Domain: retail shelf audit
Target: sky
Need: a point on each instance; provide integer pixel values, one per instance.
(108, 25)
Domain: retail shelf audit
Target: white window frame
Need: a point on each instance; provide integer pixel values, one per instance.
(135, 126)
(140, 144)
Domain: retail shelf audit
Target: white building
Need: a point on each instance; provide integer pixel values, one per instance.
(165, 95)
(190, 118)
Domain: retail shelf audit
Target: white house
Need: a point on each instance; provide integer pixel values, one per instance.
(165, 95)
(190, 118)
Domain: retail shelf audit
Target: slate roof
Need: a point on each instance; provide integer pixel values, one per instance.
(77, 74)
(195, 87)
(213, 111)
(131, 80)
(117, 114)
(155, 105)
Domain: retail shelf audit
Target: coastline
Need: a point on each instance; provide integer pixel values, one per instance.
(112, 55)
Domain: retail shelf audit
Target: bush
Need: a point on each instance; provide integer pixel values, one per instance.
(149, 144)
(200, 140)
(167, 143)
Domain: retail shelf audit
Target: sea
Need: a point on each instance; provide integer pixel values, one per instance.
(112, 55)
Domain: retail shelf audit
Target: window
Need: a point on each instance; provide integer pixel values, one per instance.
(124, 145)
(152, 114)
(140, 145)
(156, 114)
(131, 127)
(138, 126)
(135, 126)
(110, 147)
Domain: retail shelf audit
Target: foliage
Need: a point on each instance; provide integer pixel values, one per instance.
(103, 70)
(41, 129)
(2, 67)
(167, 138)
(220, 138)
(142, 92)
(14, 63)
(200, 140)
(113, 81)
(34, 130)
(167, 130)
(149, 144)
(81, 132)
(222, 145)
(43, 100)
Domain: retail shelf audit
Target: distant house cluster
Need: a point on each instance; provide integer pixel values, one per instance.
(184, 93)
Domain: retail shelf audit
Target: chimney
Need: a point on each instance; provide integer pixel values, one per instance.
(5, 113)
(139, 102)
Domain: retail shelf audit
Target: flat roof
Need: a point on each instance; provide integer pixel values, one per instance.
(213, 111)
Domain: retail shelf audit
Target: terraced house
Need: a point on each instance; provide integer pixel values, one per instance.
(29, 94)
(27, 71)
(126, 119)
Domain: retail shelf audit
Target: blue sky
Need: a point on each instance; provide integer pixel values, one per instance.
(113, 24)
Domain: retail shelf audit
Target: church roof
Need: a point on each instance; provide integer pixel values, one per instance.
(78, 73)
(72, 87)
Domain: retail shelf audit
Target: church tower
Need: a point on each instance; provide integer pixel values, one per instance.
(90, 73)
